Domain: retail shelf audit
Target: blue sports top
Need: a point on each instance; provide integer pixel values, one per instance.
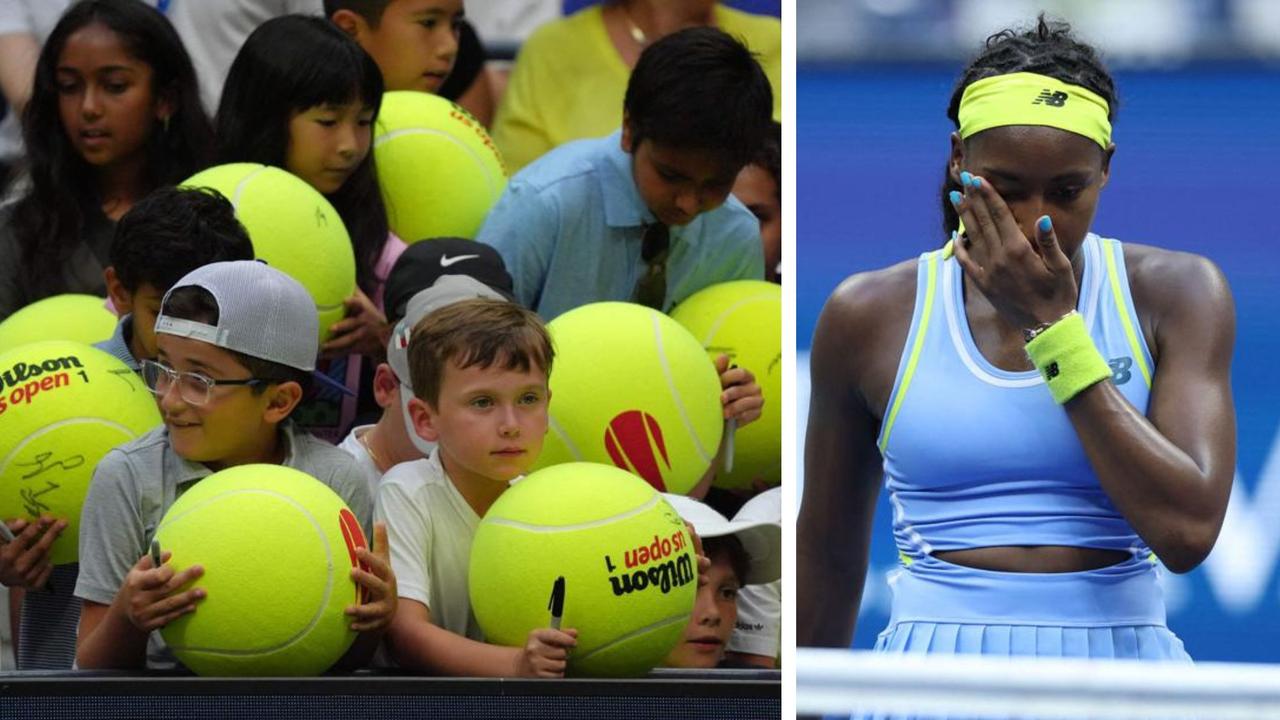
(976, 456)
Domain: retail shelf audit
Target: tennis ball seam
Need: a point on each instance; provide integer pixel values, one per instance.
(670, 620)
(62, 423)
(328, 587)
(387, 137)
(564, 437)
(724, 315)
(519, 525)
(675, 393)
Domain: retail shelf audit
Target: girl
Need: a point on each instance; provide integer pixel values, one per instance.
(114, 113)
(1050, 409)
(303, 96)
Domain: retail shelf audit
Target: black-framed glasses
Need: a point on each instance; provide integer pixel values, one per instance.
(193, 388)
(651, 288)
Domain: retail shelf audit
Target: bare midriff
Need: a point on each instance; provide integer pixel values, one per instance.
(1034, 559)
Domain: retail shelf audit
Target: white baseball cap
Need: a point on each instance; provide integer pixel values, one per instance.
(762, 539)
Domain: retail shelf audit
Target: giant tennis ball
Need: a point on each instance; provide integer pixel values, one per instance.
(632, 388)
(439, 170)
(743, 319)
(63, 406)
(277, 547)
(627, 560)
(293, 228)
(82, 318)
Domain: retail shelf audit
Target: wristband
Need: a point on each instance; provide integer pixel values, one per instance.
(1067, 358)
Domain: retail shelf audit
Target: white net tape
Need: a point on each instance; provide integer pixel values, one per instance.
(844, 682)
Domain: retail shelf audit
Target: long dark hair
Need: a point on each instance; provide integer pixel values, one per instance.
(289, 64)
(1048, 49)
(49, 218)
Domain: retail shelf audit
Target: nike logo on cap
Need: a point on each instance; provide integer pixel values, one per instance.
(446, 261)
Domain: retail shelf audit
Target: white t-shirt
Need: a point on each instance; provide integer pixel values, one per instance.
(214, 31)
(759, 627)
(358, 451)
(430, 527)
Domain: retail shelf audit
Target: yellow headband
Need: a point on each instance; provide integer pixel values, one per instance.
(1031, 99)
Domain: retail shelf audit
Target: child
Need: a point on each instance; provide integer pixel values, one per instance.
(414, 42)
(303, 96)
(166, 235)
(647, 208)
(759, 187)
(742, 552)
(114, 113)
(416, 286)
(757, 635)
(236, 344)
(479, 370)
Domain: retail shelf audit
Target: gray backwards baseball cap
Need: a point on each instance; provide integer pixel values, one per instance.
(446, 290)
(262, 313)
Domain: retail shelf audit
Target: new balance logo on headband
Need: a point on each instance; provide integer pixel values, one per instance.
(1056, 99)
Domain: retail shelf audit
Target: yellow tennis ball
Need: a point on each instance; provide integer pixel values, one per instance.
(63, 405)
(627, 560)
(82, 318)
(293, 228)
(630, 387)
(743, 319)
(439, 170)
(277, 547)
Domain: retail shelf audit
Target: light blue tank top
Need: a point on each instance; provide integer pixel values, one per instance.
(976, 456)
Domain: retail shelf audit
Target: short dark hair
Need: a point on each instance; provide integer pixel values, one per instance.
(194, 303)
(732, 549)
(768, 156)
(173, 231)
(700, 89)
(370, 10)
(475, 332)
(1050, 49)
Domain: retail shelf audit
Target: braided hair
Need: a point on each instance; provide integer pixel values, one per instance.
(1047, 49)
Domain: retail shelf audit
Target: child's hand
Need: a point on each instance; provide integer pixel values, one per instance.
(741, 398)
(362, 332)
(24, 562)
(150, 595)
(379, 583)
(704, 562)
(546, 654)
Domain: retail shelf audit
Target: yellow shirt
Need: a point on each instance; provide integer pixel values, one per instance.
(569, 81)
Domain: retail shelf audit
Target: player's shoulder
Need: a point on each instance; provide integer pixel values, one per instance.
(863, 297)
(1166, 281)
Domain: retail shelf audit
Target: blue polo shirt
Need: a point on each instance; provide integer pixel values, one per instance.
(570, 225)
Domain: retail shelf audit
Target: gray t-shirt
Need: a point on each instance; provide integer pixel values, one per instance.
(135, 484)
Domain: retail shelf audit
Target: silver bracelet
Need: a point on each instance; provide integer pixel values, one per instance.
(1029, 334)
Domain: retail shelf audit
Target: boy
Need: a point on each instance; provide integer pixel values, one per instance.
(759, 187)
(164, 236)
(742, 552)
(418, 284)
(479, 370)
(647, 210)
(236, 342)
(414, 42)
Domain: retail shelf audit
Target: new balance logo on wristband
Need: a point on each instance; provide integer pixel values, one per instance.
(1051, 371)
(1055, 99)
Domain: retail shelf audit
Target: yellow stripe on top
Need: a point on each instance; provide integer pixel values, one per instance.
(916, 347)
(1110, 249)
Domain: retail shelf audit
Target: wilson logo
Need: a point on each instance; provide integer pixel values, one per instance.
(634, 442)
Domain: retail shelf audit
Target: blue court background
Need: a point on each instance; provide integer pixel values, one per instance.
(1198, 155)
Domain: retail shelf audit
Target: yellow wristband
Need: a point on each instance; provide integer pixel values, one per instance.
(1067, 358)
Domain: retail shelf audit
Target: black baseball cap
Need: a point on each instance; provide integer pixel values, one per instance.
(426, 261)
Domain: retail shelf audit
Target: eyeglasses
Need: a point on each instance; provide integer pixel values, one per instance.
(193, 388)
(651, 288)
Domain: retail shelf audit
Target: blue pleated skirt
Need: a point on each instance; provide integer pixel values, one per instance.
(1112, 612)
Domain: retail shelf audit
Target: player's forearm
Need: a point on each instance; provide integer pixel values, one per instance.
(110, 643)
(828, 597)
(430, 649)
(1172, 502)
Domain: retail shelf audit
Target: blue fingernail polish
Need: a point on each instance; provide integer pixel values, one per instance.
(965, 178)
(955, 198)
(977, 182)
(1045, 224)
